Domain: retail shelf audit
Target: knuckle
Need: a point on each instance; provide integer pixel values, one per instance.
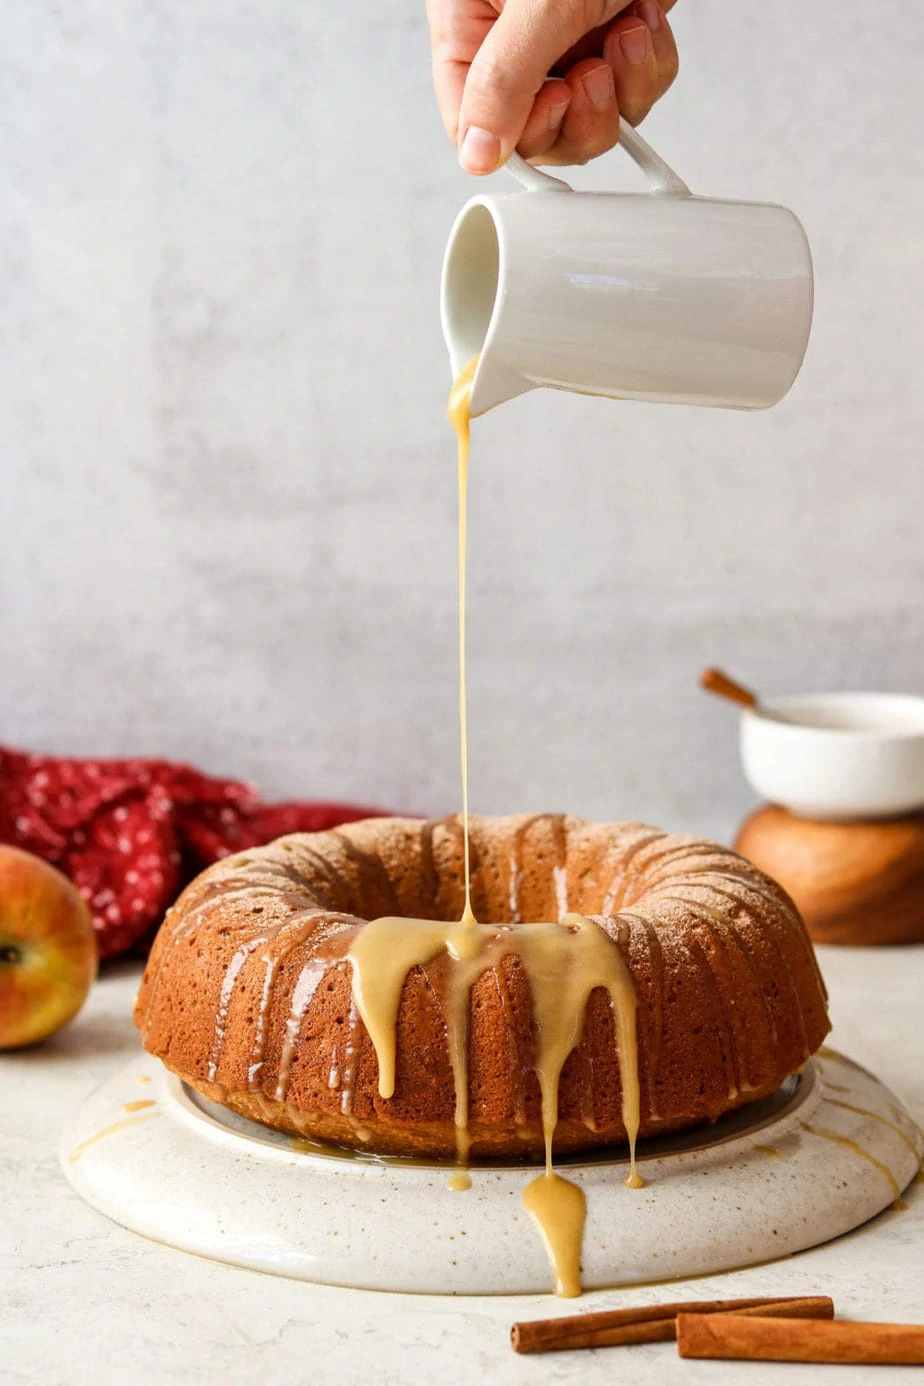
(594, 13)
(492, 76)
(581, 17)
(446, 37)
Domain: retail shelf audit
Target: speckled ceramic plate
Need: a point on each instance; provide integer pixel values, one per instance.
(830, 1150)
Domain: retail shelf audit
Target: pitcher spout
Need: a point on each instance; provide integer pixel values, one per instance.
(495, 383)
(471, 304)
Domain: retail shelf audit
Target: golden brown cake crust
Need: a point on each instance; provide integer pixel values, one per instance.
(730, 1000)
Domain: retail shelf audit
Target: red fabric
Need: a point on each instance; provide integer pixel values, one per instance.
(131, 833)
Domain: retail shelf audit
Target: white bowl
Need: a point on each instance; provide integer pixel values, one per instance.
(843, 756)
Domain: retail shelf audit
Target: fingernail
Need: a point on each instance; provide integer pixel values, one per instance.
(634, 44)
(557, 114)
(650, 11)
(480, 152)
(600, 88)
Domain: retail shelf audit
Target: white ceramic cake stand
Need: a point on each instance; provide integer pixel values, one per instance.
(830, 1150)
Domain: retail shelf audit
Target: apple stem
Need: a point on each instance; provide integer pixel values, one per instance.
(9, 953)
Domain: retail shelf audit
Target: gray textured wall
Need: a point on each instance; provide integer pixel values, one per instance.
(228, 487)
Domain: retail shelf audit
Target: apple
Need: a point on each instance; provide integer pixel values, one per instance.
(47, 949)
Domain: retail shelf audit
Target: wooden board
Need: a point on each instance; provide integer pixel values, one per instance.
(854, 883)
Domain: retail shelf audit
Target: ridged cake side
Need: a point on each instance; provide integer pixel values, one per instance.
(247, 993)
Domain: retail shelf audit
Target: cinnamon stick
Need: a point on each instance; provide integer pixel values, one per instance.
(653, 1323)
(763, 1339)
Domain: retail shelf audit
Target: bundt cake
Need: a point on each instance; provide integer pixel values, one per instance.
(250, 991)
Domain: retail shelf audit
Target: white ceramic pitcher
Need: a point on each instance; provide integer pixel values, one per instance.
(656, 296)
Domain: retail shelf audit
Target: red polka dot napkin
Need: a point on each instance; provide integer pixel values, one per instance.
(131, 833)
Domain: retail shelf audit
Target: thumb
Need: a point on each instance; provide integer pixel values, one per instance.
(526, 41)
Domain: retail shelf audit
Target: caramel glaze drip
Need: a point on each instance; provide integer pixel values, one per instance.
(459, 416)
(382, 955)
(825, 1134)
(79, 1150)
(874, 1116)
(564, 962)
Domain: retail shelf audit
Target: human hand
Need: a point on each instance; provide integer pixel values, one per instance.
(549, 78)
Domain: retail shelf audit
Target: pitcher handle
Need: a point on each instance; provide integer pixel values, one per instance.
(664, 181)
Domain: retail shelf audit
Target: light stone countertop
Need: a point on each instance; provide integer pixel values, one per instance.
(83, 1300)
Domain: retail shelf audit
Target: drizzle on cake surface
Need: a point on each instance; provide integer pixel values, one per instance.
(248, 993)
